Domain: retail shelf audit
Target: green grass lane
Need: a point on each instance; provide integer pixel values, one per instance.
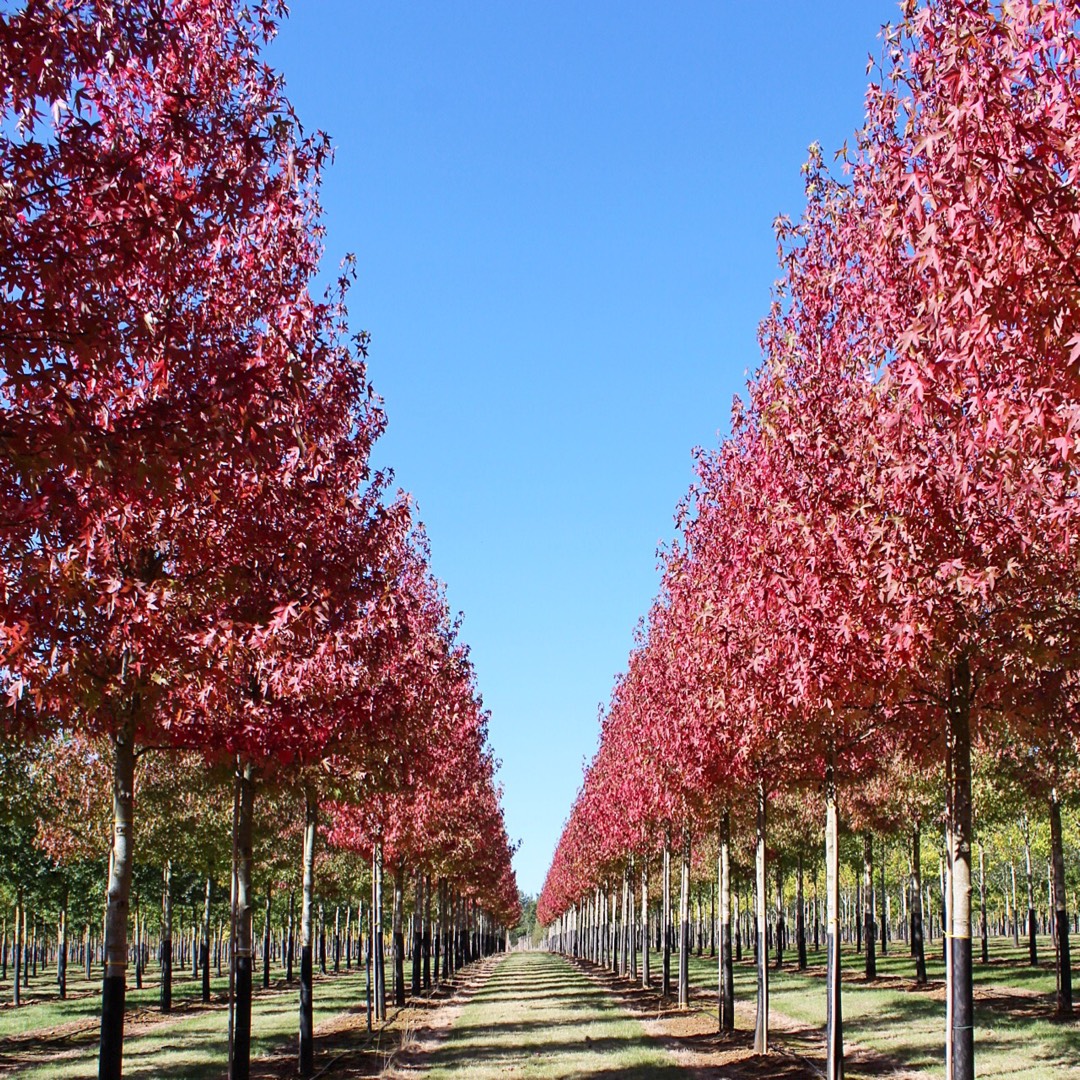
(537, 1016)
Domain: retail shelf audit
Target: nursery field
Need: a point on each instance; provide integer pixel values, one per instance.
(262, 814)
(535, 1014)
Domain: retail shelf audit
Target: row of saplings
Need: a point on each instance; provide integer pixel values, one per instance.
(434, 928)
(623, 920)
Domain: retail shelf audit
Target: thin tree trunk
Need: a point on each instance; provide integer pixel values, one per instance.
(1061, 915)
(266, 943)
(138, 946)
(761, 1025)
(738, 917)
(61, 952)
(834, 1031)
(377, 939)
(800, 916)
(418, 936)
(727, 971)
(17, 985)
(779, 933)
(684, 924)
(959, 706)
(204, 947)
(917, 949)
(399, 935)
(884, 934)
(166, 938)
(322, 939)
(241, 960)
(868, 905)
(645, 976)
(290, 949)
(984, 928)
(426, 943)
(113, 991)
(437, 936)
(1016, 910)
(1033, 952)
(667, 914)
(337, 938)
(369, 988)
(307, 914)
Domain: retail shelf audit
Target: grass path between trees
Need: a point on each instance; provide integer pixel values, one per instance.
(538, 1016)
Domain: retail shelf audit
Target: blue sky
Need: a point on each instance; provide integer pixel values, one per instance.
(562, 215)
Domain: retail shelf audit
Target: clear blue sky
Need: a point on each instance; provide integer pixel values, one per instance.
(562, 214)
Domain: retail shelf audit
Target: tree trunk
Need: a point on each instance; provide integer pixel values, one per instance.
(645, 977)
(761, 1025)
(817, 914)
(426, 943)
(204, 946)
(667, 914)
(377, 936)
(779, 933)
(1061, 915)
(166, 938)
(307, 914)
(61, 953)
(737, 919)
(399, 935)
(917, 949)
(684, 924)
(868, 905)
(241, 960)
(800, 916)
(884, 909)
(418, 936)
(322, 939)
(1016, 910)
(348, 936)
(290, 948)
(834, 1032)
(440, 915)
(17, 985)
(727, 971)
(368, 987)
(138, 946)
(984, 929)
(113, 991)
(266, 943)
(613, 935)
(1033, 952)
(959, 710)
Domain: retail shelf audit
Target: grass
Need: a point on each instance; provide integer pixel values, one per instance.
(1015, 1034)
(539, 1017)
(189, 1044)
(42, 1008)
